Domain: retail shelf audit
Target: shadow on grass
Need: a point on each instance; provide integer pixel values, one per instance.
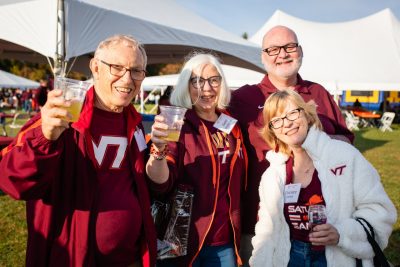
(363, 144)
(392, 251)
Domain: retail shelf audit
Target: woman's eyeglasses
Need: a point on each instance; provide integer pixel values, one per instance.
(290, 116)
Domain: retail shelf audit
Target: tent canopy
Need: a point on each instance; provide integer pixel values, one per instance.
(235, 76)
(167, 30)
(363, 54)
(9, 80)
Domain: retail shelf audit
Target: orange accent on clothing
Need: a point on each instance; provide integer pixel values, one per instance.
(19, 138)
(315, 199)
(214, 164)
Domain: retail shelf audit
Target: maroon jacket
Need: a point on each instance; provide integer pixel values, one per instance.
(58, 180)
(247, 105)
(191, 163)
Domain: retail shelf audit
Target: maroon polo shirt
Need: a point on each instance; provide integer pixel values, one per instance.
(247, 105)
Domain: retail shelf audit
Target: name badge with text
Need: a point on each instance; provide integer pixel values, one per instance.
(292, 192)
(141, 142)
(225, 123)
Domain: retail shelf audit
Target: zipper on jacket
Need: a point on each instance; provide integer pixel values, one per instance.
(235, 156)
(216, 173)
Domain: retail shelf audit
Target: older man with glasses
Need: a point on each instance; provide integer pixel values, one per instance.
(282, 58)
(87, 199)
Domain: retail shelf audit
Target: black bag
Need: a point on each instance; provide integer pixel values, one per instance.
(172, 222)
(379, 258)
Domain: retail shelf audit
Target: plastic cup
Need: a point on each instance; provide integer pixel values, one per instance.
(74, 91)
(174, 119)
(316, 215)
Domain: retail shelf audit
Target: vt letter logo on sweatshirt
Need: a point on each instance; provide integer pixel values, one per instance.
(100, 150)
(338, 170)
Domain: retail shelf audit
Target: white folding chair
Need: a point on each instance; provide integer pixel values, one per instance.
(386, 121)
(352, 121)
(19, 120)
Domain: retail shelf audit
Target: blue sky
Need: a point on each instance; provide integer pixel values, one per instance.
(239, 16)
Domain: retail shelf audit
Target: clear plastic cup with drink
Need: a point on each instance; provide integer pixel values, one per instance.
(74, 91)
(173, 117)
(316, 215)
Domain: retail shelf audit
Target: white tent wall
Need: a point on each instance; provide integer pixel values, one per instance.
(362, 54)
(167, 30)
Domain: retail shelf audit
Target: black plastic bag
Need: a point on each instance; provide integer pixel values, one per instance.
(176, 215)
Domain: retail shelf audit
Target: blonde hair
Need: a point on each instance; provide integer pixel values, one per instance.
(277, 103)
(127, 40)
(180, 95)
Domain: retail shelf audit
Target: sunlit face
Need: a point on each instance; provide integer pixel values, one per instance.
(205, 99)
(282, 65)
(115, 92)
(293, 133)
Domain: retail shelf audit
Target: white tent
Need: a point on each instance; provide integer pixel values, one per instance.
(235, 76)
(9, 80)
(362, 54)
(64, 29)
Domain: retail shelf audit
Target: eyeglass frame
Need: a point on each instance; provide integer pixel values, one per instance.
(194, 81)
(110, 66)
(285, 47)
(270, 124)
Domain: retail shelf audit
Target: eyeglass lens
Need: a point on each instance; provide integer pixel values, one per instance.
(198, 82)
(275, 50)
(291, 116)
(120, 71)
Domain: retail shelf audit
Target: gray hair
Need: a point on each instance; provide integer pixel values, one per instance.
(127, 40)
(180, 95)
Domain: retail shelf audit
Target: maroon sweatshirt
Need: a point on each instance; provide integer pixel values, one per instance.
(59, 181)
(194, 161)
(247, 105)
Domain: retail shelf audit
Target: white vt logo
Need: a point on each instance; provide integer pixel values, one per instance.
(225, 153)
(105, 141)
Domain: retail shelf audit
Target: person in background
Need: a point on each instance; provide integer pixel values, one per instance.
(84, 183)
(316, 169)
(208, 158)
(41, 93)
(357, 104)
(282, 57)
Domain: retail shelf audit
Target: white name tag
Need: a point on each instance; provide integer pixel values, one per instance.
(225, 123)
(292, 192)
(141, 142)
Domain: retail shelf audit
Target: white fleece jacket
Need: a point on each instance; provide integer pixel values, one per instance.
(351, 188)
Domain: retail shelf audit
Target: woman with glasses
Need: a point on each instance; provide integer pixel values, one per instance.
(308, 168)
(209, 157)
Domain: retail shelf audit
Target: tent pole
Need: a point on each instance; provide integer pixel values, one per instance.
(59, 64)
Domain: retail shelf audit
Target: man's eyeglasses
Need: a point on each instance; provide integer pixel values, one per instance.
(290, 116)
(198, 82)
(275, 50)
(119, 71)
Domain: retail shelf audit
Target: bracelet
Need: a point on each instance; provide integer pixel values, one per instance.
(157, 154)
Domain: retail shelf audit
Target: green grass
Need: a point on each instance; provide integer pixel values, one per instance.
(381, 149)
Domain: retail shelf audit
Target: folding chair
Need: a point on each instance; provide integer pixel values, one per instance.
(352, 121)
(17, 123)
(3, 125)
(386, 121)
